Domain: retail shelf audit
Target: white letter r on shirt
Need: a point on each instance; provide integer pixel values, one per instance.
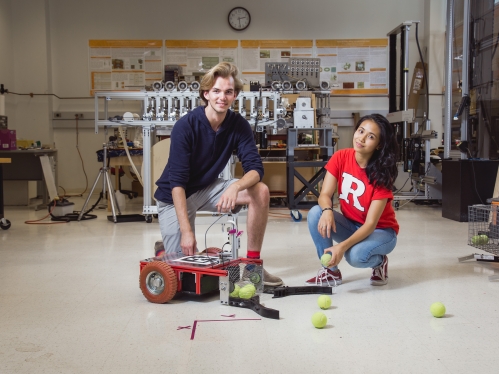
(346, 189)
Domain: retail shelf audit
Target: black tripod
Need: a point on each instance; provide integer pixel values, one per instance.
(112, 196)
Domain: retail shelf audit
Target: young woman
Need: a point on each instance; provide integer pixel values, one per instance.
(366, 229)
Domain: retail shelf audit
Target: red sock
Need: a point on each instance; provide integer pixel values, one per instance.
(253, 254)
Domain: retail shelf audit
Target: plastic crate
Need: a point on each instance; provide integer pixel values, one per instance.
(483, 227)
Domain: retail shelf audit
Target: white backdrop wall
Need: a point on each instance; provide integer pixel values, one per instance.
(49, 40)
(32, 71)
(6, 59)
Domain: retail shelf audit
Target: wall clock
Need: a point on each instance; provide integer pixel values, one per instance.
(239, 18)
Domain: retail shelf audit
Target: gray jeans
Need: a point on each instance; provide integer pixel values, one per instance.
(203, 200)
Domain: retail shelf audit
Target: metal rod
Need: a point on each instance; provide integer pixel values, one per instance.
(146, 167)
(111, 196)
(465, 72)
(405, 74)
(406, 67)
(96, 113)
(448, 78)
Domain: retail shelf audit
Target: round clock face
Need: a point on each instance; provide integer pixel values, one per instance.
(239, 18)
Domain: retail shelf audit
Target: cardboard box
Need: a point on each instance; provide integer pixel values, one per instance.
(23, 143)
(8, 140)
(137, 187)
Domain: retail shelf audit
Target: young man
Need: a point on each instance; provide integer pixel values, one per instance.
(202, 143)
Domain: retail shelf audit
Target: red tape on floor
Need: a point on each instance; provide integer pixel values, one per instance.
(218, 320)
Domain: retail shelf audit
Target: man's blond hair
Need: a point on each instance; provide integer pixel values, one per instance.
(224, 70)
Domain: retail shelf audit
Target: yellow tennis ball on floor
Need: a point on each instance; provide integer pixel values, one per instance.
(325, 258)
(437, 309)
(235, 293)
(319, 320)
(247, 292)
(324, 302)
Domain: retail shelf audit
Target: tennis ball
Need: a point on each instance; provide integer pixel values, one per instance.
(324, 302)
(235, 293)
(319, 320)
(484, 239)
(480, 239)
(437, 309)
(325, 258)
(254, 278)
(247, 292)
(251, 286)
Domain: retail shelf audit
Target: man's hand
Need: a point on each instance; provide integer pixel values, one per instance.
(188, 243)
(228, 199)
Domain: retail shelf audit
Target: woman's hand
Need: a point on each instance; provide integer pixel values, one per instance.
(337, 251)
(326, 224)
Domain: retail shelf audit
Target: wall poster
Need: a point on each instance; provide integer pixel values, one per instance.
(124, 65)
(354, 66)
(255, 53)
(350, 66)
(199, 55)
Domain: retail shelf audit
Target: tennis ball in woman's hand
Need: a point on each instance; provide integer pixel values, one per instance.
(319, 320)
(325, 258)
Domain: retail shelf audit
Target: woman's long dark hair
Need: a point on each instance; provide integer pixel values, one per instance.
(382, 167)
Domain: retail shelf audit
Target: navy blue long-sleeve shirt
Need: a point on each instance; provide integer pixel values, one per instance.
(198, 154)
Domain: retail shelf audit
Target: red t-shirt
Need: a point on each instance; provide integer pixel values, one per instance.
(356, 193)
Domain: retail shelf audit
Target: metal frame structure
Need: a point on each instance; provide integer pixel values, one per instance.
(448, 78)
(296, 201)
(160, 110)
(403, 115)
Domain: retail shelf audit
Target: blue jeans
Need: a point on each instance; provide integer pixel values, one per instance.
(366, 254)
